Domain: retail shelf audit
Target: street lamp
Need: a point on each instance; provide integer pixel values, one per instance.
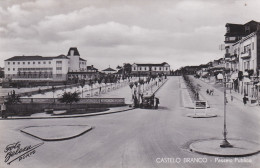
(225, 143)
(53, 90)
(82, 84)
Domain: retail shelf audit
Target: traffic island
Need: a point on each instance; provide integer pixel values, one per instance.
(56, 132)
(212, 147)
(201, 115)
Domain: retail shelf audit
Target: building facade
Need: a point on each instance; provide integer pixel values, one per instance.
(39, 68)
(242, 56)
(151, 69)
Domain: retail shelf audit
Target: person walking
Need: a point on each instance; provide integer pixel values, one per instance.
(156, 102)
(3, 111)
(244, 99)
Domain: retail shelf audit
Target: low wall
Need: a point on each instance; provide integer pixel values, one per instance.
(112, 101)
(29, 108)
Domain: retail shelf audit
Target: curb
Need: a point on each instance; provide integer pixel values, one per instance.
(60, 139)
(160, 86)
(192, 115)
(226, 153)
(70, 116)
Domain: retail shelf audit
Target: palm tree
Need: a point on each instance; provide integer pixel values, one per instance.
(69, 98)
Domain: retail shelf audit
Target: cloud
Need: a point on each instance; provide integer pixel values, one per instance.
(113, 32)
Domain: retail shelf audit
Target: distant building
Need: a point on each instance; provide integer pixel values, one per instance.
(109, 71)
(150, 69)
(90, 73)
(39, 68)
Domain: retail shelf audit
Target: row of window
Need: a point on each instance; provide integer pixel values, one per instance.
(29, 62)
(246, 48)
(33, 69)
(247, 29)
(140, 68)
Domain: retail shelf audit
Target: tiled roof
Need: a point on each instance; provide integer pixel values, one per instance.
(75, 51)
(91, 68)
(162, 64)
(109, 69)
(32, 58)
(81, 59)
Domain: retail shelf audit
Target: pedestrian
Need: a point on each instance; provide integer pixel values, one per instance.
(207, 91)
(212, 92)
(231, 97)
(152, 102)
(3, 111)
(244, 99)
(157, 102)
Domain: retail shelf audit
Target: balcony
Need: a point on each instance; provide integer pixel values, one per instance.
(246, 55)
(234, 58)
(227, 56)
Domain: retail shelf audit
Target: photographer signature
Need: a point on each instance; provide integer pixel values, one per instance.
(15, 151)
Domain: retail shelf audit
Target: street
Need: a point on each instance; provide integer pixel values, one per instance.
(140, 137)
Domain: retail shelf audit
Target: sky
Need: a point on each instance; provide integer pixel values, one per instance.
(113, 32)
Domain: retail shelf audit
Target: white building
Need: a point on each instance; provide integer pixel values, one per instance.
(151, 69)
(38, 68)
(109, 71)
(249, 61)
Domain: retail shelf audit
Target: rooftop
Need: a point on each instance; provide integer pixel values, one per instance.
(35, 57)
(149, 64)
(109, 69)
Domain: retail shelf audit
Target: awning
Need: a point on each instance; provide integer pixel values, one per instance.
(234, 76)
(245, 79)
(220, 76)
(245, 74)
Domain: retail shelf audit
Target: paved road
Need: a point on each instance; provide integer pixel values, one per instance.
(137, 138)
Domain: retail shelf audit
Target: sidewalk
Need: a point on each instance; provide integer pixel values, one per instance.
(236, 96)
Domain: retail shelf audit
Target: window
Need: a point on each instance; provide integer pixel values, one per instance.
(44, 62)
(228, 29)
(227, 38)
(155, 68)
(49, 62)
(8, 63)
(14, 63)
(8, 69)
(247, 48)
(18, 63)
(140, 68)
(252, 45)
(33, 62)
(134, 69)
(28, 63)
(39, 62)
(166, 69)
(247, 29)
(160, 68)
(13, 69)
(23, 62)
(58, 68)
(145, 68)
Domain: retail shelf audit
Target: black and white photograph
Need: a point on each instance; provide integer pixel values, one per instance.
(129, 83)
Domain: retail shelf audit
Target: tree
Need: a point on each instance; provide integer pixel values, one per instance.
(13, 98)
(69, 98)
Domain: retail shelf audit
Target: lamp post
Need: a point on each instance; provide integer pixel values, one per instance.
(53, 90)
(225, 143)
